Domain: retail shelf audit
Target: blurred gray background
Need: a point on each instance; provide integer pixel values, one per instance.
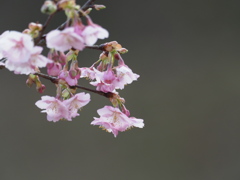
(187, 54)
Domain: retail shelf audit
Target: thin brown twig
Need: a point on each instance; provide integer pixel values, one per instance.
(45, 76)
(100, 47)
(37, 40)
(107, 95)
(55, 80)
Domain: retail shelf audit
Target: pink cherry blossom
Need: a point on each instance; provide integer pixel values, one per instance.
(1, 55)
(92, 33)
(113, 120)
(53, 69)
(124, 76)
(76, 102)
(54, 108)
(35, 60)
(64, 40)
(105, 81)
(64, 75)
(22, 56)
(16, 47)
(38, 60)
(88, 73)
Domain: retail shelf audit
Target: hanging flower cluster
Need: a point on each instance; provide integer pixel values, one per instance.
(20, 52)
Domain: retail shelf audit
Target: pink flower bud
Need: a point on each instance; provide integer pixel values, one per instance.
(41, 88)
(49, 7)
(99, 7)
(53, 69)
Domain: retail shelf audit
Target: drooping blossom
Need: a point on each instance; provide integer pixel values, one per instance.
(65, 75)
(21, 54)
(88, 73)
(54, 108)
(105, 81)
(124, 76)
(36, 60)
(64, 40)
(53, 69)
(76, 102)
(22, 57)
(16, 47)
(93, 32)
(113, 120)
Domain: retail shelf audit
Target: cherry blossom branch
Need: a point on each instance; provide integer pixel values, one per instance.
(37, 40)
(51, 78)
(55, 80)
(42, 36)
(107, 95)
(100, 47)
(88, 4)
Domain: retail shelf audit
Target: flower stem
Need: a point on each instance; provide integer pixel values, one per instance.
(55, 80)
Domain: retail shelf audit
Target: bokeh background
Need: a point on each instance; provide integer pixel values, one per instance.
(187, 53)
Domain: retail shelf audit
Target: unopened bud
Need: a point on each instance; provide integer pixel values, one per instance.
(41, 88)
(99, 7)
(26, 31)
(114, 44)
(35, 26)
(66, 4)
(110, 46)
(88, 11)
(32, 26)
(122, 50)
(49, 7)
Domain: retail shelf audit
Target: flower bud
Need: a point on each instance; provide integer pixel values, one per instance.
(26, 31)
(32, 26)
(41, 88)
(88, 11)
(35, 26)
(99, 7)
(67, 4)
(54, 69)
(122, 50)
(110, 46)
(49, 7)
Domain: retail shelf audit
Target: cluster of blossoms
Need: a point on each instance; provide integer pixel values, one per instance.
(20, 52)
